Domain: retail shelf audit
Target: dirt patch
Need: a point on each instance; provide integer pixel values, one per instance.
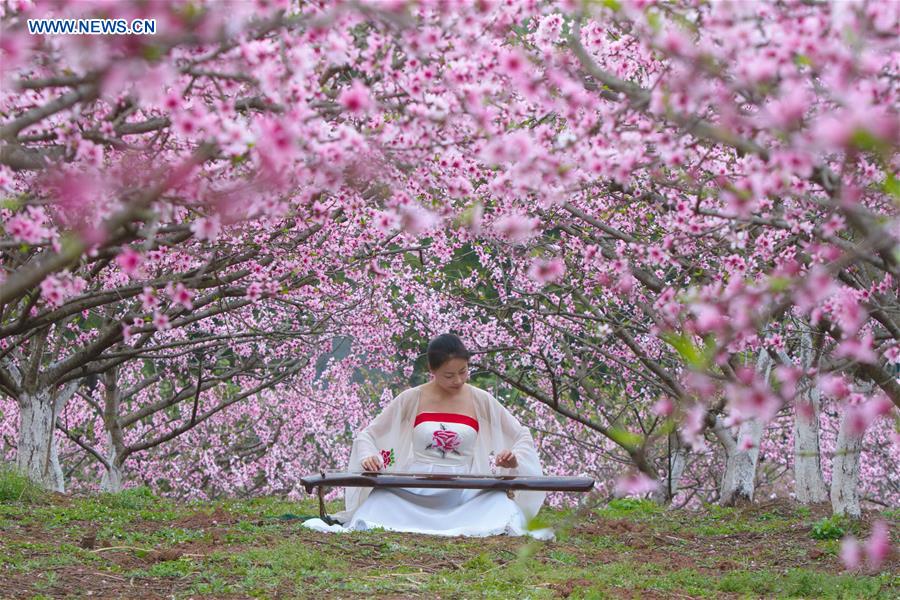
(81, 581)
(204, 520)
(565, 589)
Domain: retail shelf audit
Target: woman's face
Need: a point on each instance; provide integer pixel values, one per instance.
(452, 375)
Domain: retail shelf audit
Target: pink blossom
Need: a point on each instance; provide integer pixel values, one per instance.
(386, 221)
(548, 30)
(377, 270)
(755, 401)
(746, 443)
(320, 212)
(476, 217)
(416, 220)
(709, 317)
(860, 416)
(878, 546)
(511, 148)
(664, 407)
(29, 226)
(513, 63)
(834, 386)
(55, 289)
(635, 484)
(834, 225)
(739, 203)
(858, 350)
(181, 295)
(254, 291)
(129, 261)
(788, 110)
(834, 132)
(516, 227)
(546, 271)
(858, 420)
(674, 41)
(879, 406)
(816, 287)
(190, 122)
(356, 99)
(788, 376)
(173, 101)
(207, 228)
(626, 283)
(161, 321)
(758, 69)
(149, 299)
(52, 291)
(794, 162)
(849, 313)
(805, 410)
(6, 179)
(700, 384)
(693, 426)
(851, 552)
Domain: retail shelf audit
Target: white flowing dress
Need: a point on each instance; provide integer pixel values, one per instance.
(443, 443)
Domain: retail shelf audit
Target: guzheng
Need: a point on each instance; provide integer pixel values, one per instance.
(388, 479)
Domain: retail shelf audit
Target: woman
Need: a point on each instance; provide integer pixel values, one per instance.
(443, 426)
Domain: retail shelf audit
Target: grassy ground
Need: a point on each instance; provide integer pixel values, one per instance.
(134, 545)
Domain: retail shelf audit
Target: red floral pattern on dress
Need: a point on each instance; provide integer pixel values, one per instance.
(445, 441)
(387, 457)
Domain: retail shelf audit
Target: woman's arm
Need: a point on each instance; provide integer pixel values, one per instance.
(528, 462)
(516, 438)
(380, 426)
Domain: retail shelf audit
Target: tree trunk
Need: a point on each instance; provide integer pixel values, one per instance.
(112, 475)
(809, 485)
(639, 458)
(115, 439)
(739, 480)
(37, 455)
(845, 471)
(677, 461)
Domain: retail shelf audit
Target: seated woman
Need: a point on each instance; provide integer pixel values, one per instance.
(443, 426)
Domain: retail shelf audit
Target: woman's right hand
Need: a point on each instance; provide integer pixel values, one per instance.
(372, 463)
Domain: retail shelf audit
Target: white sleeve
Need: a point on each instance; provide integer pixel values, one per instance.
(517, 438)
(365, 443)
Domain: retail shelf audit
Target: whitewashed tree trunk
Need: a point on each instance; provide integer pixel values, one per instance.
(739, 480)
(809, 484)
(677, 462)
(845, 471)
(115, 439)
(37, 455)
(112, 475)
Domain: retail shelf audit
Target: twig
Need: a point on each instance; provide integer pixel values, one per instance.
(123, 548)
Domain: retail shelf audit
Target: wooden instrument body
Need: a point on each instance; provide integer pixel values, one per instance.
(387, 479)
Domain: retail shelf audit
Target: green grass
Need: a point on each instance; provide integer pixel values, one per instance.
(630, 508)
(830, 528)
(15, 487)
(627, 548)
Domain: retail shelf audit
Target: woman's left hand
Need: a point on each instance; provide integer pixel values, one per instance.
(506, 459)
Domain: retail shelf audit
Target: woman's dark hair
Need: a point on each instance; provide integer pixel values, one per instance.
(444, 347)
